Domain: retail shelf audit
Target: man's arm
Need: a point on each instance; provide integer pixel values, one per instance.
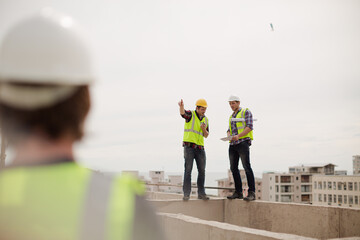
(182, 109)
(184, 113)
(204, 129)
(243, 133)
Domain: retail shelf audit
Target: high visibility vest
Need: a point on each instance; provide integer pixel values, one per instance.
(240, 126)
(65, 201)
(192, 130)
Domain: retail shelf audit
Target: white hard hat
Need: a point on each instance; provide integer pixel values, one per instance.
(234, 98)
(44, 49)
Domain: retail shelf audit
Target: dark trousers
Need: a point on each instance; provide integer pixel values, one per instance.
(200, 158)
(241, 151)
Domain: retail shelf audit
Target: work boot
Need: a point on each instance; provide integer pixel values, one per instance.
(236, 195)
(203, 197)
(250, 196)
(186, 198)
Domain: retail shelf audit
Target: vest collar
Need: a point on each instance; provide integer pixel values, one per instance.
(237, 112)
(200, 118)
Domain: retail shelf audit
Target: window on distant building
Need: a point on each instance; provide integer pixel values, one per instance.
(305, 188)
(286, 189)
(334, 198)
(351, 199)
(320, 185)
(334, 185)
(276, 198)
(330, 198)
(324, 197)
(305, 178)
(339, 185)
(286, 198)
(350, 186)
(276, 179)
(305, 198)
(285, 179)
(344, 188)
(345, 199)
(356, 200)
(315, 185)
(276, 188)
(329, 185)
(355, 186)
(340, 199)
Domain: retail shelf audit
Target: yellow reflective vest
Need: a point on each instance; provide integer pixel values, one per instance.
(240, 125)
(192, 130)
(65, 201)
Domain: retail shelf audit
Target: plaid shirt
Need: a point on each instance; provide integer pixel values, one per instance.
(187, 117)
(249, 123)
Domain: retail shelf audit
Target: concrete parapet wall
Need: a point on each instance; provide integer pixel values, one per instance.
(212, 210)
(322, 222)
(162, 196)
(180, 227)
(305, 220)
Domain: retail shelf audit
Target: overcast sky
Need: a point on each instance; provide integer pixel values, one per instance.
(301, 81)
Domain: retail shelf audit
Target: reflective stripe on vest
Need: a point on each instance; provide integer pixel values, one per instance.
(192, 131)
(240, 125)
(95, 214)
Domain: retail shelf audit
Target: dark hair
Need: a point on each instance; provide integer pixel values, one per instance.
(66, 117)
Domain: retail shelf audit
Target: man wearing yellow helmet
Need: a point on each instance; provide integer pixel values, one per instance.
(195, 129)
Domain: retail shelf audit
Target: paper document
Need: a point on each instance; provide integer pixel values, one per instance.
(240, 119)
(226, 138)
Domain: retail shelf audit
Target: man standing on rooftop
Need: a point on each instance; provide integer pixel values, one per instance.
(195, 129)
(241, 130)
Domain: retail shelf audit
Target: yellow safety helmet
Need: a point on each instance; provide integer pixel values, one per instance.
(201, 102)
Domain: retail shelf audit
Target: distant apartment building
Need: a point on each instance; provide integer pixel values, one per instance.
(287, 187)
(174, 185)
(228, 185)
(356, 164)
(326, 169)
(158, 183)
(336, 190)
(340, 172)
(296, 185)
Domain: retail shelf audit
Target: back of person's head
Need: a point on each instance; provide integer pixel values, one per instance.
(45, 72)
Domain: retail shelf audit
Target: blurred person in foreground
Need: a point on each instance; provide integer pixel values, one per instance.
(45, 74)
